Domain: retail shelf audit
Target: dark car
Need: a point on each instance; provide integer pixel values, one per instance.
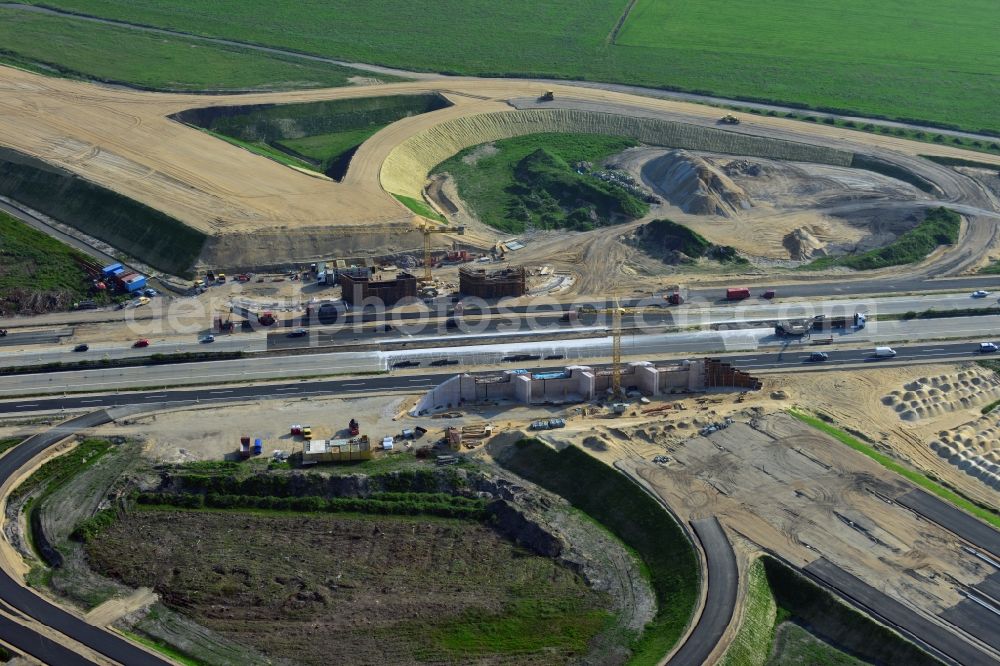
(554, 357)
(298, 333)
(818, 357)
(81, 348)
(406, 364)
(444, 361)
(517, 358)
(142, 342)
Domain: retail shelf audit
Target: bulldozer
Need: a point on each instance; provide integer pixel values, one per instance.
(547, 96)
(729, 119)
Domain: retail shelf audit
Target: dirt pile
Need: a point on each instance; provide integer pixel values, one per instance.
(802, 244)
(692, 184)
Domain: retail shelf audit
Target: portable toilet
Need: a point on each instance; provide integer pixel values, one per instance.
(258, 446)
(244, 447)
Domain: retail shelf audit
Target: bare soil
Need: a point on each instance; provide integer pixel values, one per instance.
(322, 590)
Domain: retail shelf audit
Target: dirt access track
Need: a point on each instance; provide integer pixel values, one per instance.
(256, 210)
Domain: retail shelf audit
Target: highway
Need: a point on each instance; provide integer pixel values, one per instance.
(24, 600)
(488, 350)
(408, 382)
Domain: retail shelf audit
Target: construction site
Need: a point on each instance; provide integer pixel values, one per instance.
(374, 428)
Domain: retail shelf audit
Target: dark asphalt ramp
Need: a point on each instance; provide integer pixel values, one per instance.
(723, 579)
(977, 620)
(914, 626)
(953, 519)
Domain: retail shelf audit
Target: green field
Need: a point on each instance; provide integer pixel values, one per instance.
(319, 136)
(915, 59)
(80, 49)
(940, 226)
(37, 272)
(531, 179)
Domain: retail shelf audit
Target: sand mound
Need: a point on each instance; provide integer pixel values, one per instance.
(693, 185)
(972, 447)
(802, 244)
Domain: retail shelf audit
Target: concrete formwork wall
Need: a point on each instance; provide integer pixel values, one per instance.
(448, 394)
(405, 169)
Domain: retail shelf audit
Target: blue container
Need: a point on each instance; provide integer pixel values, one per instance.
(258, 446)
(108, 271)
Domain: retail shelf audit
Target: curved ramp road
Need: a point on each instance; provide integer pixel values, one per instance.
(723, 579)
(14, 594)
(38, 646)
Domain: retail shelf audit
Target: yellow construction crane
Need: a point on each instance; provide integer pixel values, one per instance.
(427, 227)
(616, 351)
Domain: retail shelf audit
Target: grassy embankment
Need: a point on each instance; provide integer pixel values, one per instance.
(45, 481)
(940, 226)
(988, 514)
(622, 507)
(318, 136)
(531, 179)
(134, 228)
(789, 620)
(666, 237)
(37, 272)
(81, 49)
(926, 136)
(915, 61)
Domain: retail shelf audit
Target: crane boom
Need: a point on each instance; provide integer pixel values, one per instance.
(616, 351)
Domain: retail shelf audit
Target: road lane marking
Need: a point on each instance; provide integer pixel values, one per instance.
(19, 406)
(84, 402)
(293, 388)
(161, 395)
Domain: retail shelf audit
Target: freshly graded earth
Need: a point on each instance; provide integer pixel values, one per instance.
(356, 590)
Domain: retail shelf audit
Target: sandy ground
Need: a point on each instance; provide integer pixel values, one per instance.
(123, 140)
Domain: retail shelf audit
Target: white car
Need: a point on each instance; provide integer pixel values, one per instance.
(987, 347)
(981, 293)
(208, 338)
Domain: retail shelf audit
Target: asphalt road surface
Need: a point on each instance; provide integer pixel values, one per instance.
(941, 641)
(13, 592)
(38, 646)
(954, 520)
(48, 337)
(723, 582)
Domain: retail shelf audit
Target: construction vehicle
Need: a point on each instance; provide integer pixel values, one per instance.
(729, 119)
(675, 298)
(547, 96)
(221, 278)
(307, 432)
(792, 327)
(427, 227)
(353, 428)
(737, 293)
(266, 319)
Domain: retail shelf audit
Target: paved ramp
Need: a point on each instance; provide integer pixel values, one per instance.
(933, 637)
(953, 519)
(723, 579)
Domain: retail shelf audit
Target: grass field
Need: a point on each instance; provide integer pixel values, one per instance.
(625, 510)
(511, 181)
(80, 49)
(37, 272)
(318, 136)
(940, 226)
(914, 59)
(351, 590)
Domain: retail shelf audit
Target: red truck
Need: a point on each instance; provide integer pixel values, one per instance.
(737, 293)
(353, 428)
(675, 298)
